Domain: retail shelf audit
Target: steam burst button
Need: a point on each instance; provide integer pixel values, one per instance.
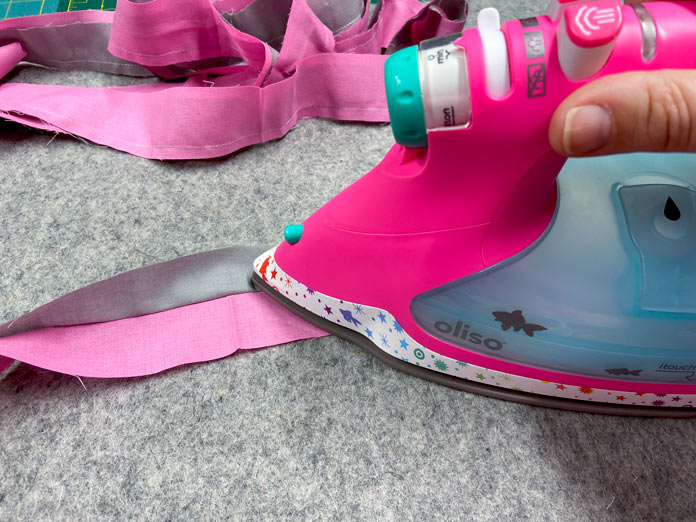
(593, 24)
(586, 37)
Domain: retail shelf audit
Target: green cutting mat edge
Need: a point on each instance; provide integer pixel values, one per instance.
(17, 8)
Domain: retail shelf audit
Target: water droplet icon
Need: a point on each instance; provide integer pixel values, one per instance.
(672, 210)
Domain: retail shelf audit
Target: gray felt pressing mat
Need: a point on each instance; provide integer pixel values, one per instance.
(313, 430)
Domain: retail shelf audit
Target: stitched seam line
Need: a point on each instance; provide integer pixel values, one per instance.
(123, 64)
(345, 26)
(374, 35)
(222, 50)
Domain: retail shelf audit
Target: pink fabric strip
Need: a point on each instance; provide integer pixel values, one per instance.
(208, 122)
(153, 343)
(176, 31)
(10, 55)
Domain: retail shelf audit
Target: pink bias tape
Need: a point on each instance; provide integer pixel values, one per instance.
(238, 89)
(10, 55)
(193, 308)
(208, 122)
(156, 342)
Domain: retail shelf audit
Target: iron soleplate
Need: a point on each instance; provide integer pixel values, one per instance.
(466, 385)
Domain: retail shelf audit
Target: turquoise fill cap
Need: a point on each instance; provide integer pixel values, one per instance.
(404, 98)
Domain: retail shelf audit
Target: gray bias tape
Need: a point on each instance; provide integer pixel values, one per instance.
(155, 288)
(77, 46)
(267, 19)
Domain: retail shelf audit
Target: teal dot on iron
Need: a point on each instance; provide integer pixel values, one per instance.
(293, 233)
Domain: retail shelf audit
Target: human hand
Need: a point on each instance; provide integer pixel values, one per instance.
(635, 111)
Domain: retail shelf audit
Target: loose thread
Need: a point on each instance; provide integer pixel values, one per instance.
(82, 383)
(53, 138)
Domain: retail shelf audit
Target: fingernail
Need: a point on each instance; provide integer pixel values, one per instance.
(586, 129)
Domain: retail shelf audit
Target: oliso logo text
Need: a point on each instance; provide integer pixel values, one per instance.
(462, 331)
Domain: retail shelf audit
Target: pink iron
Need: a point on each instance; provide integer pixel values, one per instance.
(460, 258)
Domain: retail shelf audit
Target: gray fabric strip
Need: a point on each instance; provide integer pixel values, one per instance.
(440, 12)
(264, 19)
(453, 9)
(268, 19)
(338, 16)
(155, 288)
(80, 46)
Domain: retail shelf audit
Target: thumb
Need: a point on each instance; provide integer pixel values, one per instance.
(629, 112)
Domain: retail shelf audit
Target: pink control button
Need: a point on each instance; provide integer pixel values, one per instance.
(594, 23)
